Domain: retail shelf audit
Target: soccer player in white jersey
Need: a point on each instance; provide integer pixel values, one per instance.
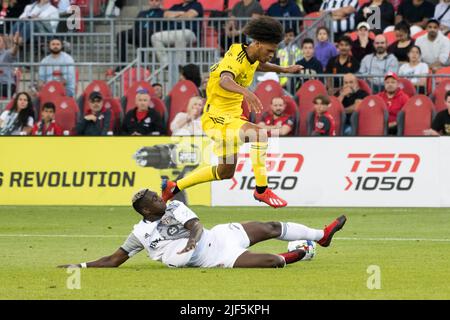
(173, 235)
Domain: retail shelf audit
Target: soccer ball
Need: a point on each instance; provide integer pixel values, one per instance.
(307, 245)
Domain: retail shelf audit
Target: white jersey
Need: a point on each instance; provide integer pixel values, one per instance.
(164, 238)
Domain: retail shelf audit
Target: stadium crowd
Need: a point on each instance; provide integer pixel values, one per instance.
(389, 59)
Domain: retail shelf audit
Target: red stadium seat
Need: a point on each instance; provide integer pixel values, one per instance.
(306, 94)
(364, 86)
(52, 88)
(354, 35)
(443, 70)
(266, 91)
(66, 113)
(362, 2)
(292, 110)
(439, 94)
(415, 116)
(167, 4)
(265, 4)
(209, 5)
(370, 117)
(338, 113)
(419, 34)
(116, 112)
(178, 98)
(309, 23)
(407, 87)
(94, 86)
(390, 37)
(231, 4)
(128, 101)
(210, 37)
(246, 113)
(131, 76)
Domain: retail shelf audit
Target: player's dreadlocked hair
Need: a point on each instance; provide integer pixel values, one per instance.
(136, 201)
(264, 29)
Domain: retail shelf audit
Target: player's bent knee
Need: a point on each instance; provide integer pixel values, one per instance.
(225, 172)
(273, 229)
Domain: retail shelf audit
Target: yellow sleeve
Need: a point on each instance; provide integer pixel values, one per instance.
(230, 63)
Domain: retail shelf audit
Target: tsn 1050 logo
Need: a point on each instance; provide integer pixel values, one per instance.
(382, 171)
(276, 163)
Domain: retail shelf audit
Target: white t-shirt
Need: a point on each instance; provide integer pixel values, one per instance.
(9, 123)
(193, 128)
(164, 238)
(408, 71)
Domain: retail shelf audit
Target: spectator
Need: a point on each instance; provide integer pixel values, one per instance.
(8, 56)
(159, 91)
(287, 55)
(434, 45)
(143, 120)
(10, 9)
(180, 34)
(140, 34)
(113, 8)
(324, 50)
(415, 12)
(97, 119)
(395, 99)
(363, 45)
(350, 95)
(286, 9)
(415, 67)
(58, 66)
(342, 13)
(310, 6)
(40, 11)
(441, 123)
(47, 126)
(343, 63)
(277, 122)
(368, 10)
(442, 14)
(191, 72)
(311, 66)
(323, 121)
(234, 28)
(188, 123)
(378, 63)
(20, 119)
(401, 47)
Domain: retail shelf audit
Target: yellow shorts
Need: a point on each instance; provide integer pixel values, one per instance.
(224, 131)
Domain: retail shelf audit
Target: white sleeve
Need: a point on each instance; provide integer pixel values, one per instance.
(30, 122)
(182, 213)
(132, 245)
(423, 68)
(444, 54)
(4, 115)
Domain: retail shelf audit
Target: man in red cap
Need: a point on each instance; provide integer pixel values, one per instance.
(395, 99)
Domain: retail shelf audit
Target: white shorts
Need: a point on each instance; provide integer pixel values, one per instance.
(220, 247)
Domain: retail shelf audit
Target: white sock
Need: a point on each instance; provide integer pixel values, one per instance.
(294, 231)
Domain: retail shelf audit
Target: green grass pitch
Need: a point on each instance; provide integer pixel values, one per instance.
(410, 246)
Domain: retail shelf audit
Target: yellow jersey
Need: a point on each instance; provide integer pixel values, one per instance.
(223, 102)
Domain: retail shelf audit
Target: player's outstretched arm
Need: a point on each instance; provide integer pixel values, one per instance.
(196, 229)
(112, 261)
(270, 67)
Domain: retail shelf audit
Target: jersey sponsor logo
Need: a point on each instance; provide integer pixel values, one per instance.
(172, 230)
(372, 168)
(155, 242)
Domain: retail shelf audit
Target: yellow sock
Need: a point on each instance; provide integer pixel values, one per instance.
(201, 175)
(258, 152)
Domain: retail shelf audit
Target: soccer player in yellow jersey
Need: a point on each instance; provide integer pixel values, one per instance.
(222, 119)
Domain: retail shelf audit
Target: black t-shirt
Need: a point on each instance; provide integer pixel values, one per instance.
(311, 67)
(441, 123)
(194, 26)
(413, 14)
(400, 53)
(335, 67)
(359, 52)
(350, 100)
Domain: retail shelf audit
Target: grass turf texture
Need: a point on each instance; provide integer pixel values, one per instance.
(417, 269)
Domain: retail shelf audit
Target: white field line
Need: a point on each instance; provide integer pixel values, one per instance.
(124, 236)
